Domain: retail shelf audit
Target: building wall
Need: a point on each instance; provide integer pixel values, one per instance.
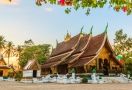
(28, 73)
(103, 54)
(5, 71)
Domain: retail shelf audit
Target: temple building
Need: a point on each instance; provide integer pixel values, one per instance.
(4, 68)
(83, 52)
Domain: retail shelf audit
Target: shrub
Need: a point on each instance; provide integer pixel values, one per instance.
(84, 80)
(19, 76)
(100, 77)
(10, 75)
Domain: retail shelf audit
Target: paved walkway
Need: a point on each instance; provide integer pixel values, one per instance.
(4, 85)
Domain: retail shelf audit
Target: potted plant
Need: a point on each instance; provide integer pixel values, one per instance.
(100, 80)
(128, 73)
(84, 80)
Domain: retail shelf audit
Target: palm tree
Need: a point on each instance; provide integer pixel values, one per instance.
(2, 43)
(9, 50)
(29, 42)
(18, 50)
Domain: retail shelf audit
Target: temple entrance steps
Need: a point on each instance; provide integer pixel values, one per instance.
(115, 79)
(35, 80)
(120, 78)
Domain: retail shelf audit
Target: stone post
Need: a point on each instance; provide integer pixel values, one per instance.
(94, 76)
(73, 76)
(73, 73)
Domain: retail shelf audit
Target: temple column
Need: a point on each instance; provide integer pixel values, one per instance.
(69, 70)
(53, 70)
(85, 68)
(56, 70)
(97, 63)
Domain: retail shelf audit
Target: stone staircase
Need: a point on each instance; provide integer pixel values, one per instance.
(115, 79)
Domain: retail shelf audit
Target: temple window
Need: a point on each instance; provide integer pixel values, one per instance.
(100, 63)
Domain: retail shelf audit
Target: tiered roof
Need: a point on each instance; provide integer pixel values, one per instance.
(62, 51)
(78, 50)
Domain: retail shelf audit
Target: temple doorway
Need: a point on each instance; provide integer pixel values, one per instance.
(1, 73)
(105, 67)
(63, 69)
(34, 73)
(80, 70)
(100, 63)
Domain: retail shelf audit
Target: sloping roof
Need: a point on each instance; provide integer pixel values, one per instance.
(66, 46)
(48, 65)
(30, 64)
(81, 62)
(85, 50)
(69, 59)
(83, 42)
(94, 45)
(108, 46)
(53, 60)
(1, 58)
(57, 58)
(4, 66)
(81, 46)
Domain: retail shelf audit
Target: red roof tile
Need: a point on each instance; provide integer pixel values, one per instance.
(83, 42)
(94, 45)
(81, 62)
(69, 59)
(47, 65)
(57, 58)
(66, 46)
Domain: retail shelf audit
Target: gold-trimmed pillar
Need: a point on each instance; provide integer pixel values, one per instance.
(97, 63)
(85, 68)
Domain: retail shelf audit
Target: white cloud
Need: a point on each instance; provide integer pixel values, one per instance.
(48, 9)
(13, 2)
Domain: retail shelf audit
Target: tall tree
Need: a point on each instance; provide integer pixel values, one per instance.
(9, 50)
(2, 43)
(39, 52)
(122, 43)
(123, 46)
(28, 42)
(18, 51)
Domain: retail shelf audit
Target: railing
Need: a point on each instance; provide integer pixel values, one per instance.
(109, 71)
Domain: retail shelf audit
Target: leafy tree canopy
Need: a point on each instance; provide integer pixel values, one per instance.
(39, 52)
(123, 46)
(117, 5)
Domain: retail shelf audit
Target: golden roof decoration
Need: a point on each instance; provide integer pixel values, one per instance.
(67, 37)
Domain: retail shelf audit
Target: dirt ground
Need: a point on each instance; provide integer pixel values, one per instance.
(4, 85)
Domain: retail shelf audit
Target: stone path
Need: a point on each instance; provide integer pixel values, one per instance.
(4, 85)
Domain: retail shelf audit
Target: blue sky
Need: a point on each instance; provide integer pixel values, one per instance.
(22, 20)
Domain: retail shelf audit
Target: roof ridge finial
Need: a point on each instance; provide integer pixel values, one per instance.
(81, 29)
(56, 41)
(105, 31)
(91, 29)
(67, 37)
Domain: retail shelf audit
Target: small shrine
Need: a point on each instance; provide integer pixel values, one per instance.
(31, 70)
